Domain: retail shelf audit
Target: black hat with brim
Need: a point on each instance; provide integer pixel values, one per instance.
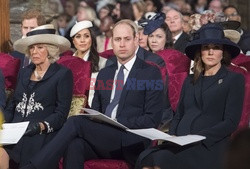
(211, 33)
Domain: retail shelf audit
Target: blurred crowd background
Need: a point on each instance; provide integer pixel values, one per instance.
(61, 11)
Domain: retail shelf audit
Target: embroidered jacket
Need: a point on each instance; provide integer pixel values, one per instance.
(48, 101)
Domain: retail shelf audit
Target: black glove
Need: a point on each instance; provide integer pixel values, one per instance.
(33, 129)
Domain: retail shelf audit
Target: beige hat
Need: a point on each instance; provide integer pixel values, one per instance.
(233, 35)
(80, 26)
(42, 34)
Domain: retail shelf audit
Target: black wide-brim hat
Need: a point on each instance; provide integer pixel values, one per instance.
(211, 33)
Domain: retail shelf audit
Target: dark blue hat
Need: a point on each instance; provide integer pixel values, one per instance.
(154, 23)
(211, 33)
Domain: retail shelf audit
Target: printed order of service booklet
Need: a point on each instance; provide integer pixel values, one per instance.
(150, 133)
(11, 133)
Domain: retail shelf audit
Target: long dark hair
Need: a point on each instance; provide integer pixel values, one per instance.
(93, 55)
(199, 66)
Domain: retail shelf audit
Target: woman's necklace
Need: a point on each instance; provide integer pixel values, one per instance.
(38, 77)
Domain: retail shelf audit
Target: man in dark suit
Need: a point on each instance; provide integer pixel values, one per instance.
(174, 20)
(139, 105)
(156, 60)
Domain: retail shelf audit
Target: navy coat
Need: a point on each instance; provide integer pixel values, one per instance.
(48, 101)
(214, 111)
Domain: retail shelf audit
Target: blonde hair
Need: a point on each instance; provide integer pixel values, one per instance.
(53, 52)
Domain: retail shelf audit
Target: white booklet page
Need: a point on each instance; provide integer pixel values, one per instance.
(11, 133)
(154, 134)
(151, 133)
(102, 117)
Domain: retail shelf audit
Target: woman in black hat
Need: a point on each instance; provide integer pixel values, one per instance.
(210, 105)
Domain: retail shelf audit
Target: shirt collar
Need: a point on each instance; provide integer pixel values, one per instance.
(177, 36)
(128, 66)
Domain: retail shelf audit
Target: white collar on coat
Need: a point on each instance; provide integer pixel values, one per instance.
(85, 57)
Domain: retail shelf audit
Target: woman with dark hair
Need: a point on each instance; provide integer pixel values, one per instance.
(160, 42)
(84, 41)
(159, 35)
(210, 105)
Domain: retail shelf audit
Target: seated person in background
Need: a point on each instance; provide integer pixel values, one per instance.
(160, 42)
(174, 20)
(131, 103)
(232, 13)
(210, 105)
(104, 40)
(42, 96)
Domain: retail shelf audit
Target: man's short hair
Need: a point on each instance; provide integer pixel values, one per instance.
(128, 22)
(34, 13)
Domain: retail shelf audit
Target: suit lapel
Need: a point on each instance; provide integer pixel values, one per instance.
(197, 92)
(140, 53)
(53, 68)
(181, 41)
